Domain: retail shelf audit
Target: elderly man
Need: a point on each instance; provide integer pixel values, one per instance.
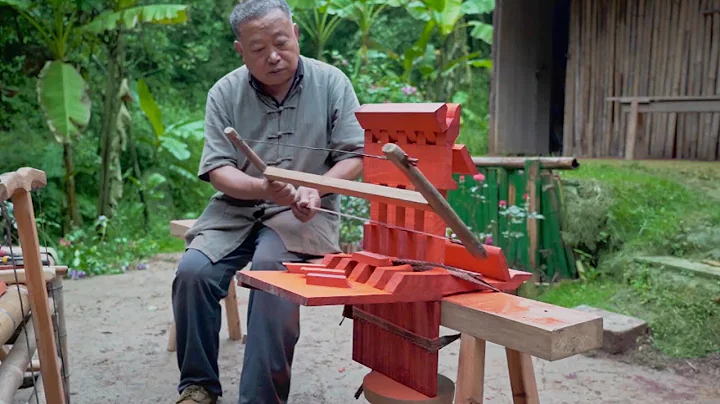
(278, 98)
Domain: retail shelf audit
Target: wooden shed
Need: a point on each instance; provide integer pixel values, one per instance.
(606, 78)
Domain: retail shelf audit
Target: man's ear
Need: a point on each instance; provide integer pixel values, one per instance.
(297, 31)
(238, 48)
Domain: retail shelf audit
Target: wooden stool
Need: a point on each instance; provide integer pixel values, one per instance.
(233, 319)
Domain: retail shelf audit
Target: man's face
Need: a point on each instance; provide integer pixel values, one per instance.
(269, 47)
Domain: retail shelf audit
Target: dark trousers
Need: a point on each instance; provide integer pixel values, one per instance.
(273, 323)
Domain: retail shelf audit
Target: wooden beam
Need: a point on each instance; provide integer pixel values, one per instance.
(539, 329)
(547, 163)
(178, 228)
(371, 192)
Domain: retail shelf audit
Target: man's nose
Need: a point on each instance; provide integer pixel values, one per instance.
(274, 57)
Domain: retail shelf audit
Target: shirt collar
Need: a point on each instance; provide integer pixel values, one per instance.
(299, 74)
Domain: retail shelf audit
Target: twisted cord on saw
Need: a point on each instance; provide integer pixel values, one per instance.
(278, 143)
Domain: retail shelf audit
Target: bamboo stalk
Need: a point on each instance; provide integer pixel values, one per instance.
(14, 306)
(8, 275)
(38, 395)
(707, 87)
(13, 368)
(57, 299)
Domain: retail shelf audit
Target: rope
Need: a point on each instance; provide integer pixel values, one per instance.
(278, 143)
(363, 219)
(421, 266)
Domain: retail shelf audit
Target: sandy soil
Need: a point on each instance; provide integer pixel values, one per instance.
(118, 329)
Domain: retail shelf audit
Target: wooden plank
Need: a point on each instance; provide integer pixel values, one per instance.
(676, 106)
(371, 192)
(178, 228)
(540, 329)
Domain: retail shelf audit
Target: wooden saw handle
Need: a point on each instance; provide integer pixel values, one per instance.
(398, 157)
(247, 151)
(25, 178)
(255, 160)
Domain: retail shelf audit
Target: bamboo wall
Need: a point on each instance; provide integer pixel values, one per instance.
(641, 48)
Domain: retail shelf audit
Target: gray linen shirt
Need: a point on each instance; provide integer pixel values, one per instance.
(319, 111)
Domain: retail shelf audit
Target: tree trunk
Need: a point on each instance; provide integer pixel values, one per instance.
(108, 145)
(138, 175)
(73, 213)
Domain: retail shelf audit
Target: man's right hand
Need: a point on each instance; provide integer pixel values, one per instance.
(281, 193)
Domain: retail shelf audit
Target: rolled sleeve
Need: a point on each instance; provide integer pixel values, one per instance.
(218, 151)
(346, 133)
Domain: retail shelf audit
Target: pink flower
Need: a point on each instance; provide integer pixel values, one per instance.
(64, 243)
(503, 204)
(489, 240)
(344, 62)
(479, 177)
(526, 197)
(461, 179)
(409, 90)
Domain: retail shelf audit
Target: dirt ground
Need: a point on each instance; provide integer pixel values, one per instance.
(118, 330)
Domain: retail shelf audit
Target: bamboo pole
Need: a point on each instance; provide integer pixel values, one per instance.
(8, 275)
(12, 370)
(38, 395)
(14, 306)
(57, 298)
(562, 163)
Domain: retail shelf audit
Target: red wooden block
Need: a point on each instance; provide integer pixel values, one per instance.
(296, 267)
(462, 161)
(494, 266)
(336, 281)
(326, 271)
(382, 275)
(376, 260)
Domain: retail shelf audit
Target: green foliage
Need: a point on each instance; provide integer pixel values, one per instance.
(616, 211)
(128, 18)
(63, 96)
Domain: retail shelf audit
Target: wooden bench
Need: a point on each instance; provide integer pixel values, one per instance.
(667, 104)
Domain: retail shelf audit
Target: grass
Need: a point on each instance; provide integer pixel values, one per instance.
(657, 207)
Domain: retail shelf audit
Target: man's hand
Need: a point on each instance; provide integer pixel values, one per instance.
(307, 200)
(281, 193)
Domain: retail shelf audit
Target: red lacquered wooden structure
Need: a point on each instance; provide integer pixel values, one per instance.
(397, 310)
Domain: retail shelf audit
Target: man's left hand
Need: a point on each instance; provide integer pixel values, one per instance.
(307, 200)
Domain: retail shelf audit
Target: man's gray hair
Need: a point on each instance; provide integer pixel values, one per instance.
(247, 10)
